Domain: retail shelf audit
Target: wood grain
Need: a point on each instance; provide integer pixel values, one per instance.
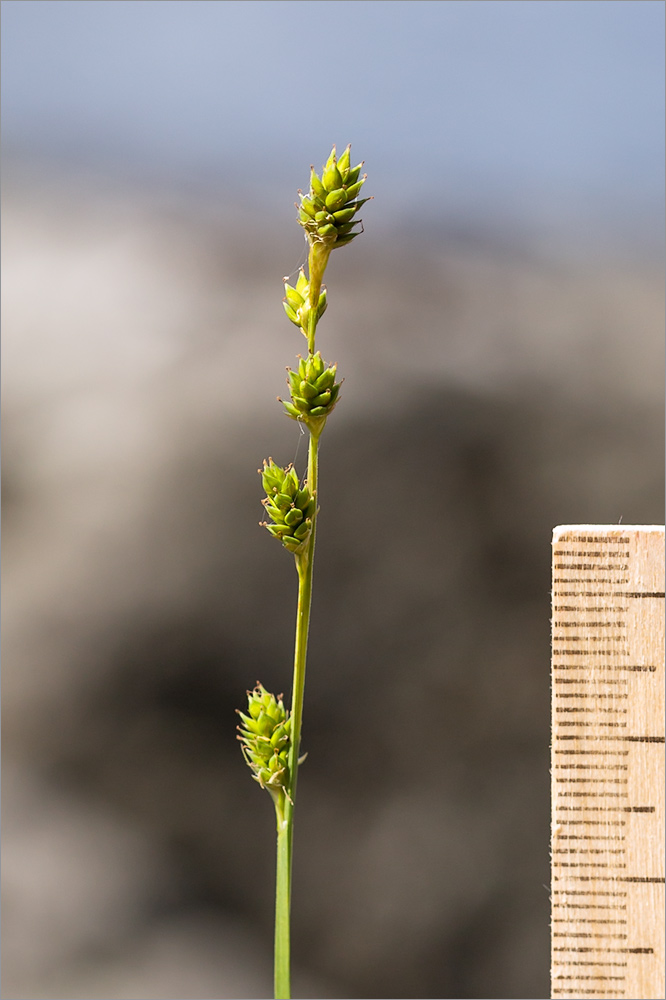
(607, 763)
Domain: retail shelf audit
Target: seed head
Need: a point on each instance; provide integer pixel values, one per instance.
(289, 505)
(327, 211)
(314, 391)
(264, 734)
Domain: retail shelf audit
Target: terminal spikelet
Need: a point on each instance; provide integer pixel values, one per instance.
(327, 211)
(265, 733)
(289, 505)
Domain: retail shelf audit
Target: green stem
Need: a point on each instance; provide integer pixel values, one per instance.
(317, 261)
(282, 906)
(304, 565)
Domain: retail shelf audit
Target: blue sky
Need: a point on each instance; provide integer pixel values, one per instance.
(460, 105)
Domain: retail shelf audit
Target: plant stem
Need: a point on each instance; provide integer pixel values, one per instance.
(317, 261)
(285, 825)
(304, 565)
(282, 906)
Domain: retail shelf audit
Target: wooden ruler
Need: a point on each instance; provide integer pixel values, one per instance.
(608, 762)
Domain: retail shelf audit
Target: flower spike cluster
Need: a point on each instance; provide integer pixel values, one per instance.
(327, 211)
(265, 734)
(314, 391)
(289, 506)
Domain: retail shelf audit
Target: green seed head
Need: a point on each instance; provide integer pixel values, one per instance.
(264, 734)
(288, 504)
(332, 202)
(314, 391)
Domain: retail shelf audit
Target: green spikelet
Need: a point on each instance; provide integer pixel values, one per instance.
(289, 505)
(265, 734)
(297, 302)
(314, 391)
(327, 211)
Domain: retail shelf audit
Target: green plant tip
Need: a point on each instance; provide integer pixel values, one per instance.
(331, 203)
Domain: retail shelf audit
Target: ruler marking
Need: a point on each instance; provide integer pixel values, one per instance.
(566, 780)
(588, 920)
(580, 555)
(607, 751)
(579, 722)
(576, 935)
(586, 710)
(609, 951)
(590, 566)
(587, 611)
(611, 965)
(659, 880)
(595, 850)
(600, 539)
(606, 993)
(607, 737)
(605, 666)
(589, 652)
(593, 638)
(587, 680)
(589, 878)
(592, 767)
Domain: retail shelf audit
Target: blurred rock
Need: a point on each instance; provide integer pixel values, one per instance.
(489, 395)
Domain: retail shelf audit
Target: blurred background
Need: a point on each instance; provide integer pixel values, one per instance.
(499, 327)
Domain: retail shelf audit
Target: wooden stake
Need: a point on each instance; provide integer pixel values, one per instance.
(607, 904)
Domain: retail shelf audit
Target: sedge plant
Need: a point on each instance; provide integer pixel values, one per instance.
(270, 734)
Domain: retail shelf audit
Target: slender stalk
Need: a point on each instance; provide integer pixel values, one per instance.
(282, 907)
(305, 566)
(317, 261)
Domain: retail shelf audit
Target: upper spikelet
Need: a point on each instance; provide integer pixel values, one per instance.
(327, 211)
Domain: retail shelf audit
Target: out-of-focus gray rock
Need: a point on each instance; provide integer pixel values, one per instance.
(489, 395)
